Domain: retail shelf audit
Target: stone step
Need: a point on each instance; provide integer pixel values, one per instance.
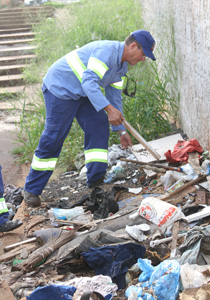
(12, 91)
(26, 16)
(13, 69)
(14, 51)
(16, 36)
(8, 105)
(12, 60)
(12, 26)
(15, 90)
(26, 10)
(15, 41)
(17, 20)
(14, 105)
(14, 30)
(11, 80)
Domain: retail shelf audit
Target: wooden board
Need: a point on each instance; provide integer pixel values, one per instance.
(141, 140)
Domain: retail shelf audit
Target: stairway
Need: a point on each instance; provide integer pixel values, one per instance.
(16, 50)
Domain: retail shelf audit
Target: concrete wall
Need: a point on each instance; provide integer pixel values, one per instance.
(191, 20)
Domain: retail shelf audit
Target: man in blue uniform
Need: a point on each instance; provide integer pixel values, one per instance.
(72, 89)
(5, 223)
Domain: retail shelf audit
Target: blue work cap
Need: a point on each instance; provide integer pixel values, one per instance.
(147, 42)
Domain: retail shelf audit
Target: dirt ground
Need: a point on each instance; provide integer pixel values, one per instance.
(12, 172)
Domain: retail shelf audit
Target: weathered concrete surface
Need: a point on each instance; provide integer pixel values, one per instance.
(191, 21)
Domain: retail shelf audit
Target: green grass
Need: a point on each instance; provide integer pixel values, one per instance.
(155, 104)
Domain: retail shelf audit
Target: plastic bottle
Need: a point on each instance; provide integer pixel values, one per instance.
(65, 214)
(115, 173)
(189, 171)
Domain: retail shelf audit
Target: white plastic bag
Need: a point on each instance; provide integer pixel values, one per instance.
(170, 177)
(65, 214)
(137, 231)
(159, 212)
(192, 277)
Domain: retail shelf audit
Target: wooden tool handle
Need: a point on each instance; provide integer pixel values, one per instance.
(140, 139)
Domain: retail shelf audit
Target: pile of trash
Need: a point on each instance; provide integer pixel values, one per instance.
(142, 234)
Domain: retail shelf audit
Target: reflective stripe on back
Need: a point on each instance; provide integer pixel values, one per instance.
(97, 66)
(75, 64)
(78, 67)
(117, 85)
(40, 164)
(99, 155)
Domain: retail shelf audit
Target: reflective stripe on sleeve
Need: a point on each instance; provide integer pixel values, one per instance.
(3, 206)
(99, 155)
(40, 164)
(117, 85)
(97, 66)
(75, 64)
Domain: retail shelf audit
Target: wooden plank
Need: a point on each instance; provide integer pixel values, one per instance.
(156, 165)
(175, 231)
(183, 187)
(178, 198)
(140, 139)
(13, 253)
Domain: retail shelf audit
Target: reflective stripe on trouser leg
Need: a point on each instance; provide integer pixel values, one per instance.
(3, 207)
(96, 127)
(59, 117)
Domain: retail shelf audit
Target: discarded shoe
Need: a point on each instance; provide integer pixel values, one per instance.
(32, 200)
(97, 183)
(10, 225)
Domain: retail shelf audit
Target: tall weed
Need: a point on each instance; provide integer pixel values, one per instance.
(75, 25)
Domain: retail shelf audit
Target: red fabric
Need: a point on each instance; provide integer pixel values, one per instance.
(181, 150)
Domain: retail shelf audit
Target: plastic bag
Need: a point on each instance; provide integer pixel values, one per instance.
(189, 171)
(137, 231)
(115, 173)
(65, 214)
(170, 177)
(159, 212)
(206, 167)
(192, 276)
(163, 280)
(134, 292)
(52, 292)
(146, 267)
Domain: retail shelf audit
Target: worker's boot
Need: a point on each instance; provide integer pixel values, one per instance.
(32, 200)
(10, 225)
(97, 183)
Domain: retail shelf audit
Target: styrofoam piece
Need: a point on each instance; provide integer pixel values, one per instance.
(161, 146)
(199, 215)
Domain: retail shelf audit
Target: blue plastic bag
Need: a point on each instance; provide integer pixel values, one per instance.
(162, 279)
(138, 292)
(146, 267)
(55, 292)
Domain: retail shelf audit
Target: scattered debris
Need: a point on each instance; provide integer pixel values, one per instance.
(134, 236)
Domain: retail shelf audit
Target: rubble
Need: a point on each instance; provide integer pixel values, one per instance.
(131, 238)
